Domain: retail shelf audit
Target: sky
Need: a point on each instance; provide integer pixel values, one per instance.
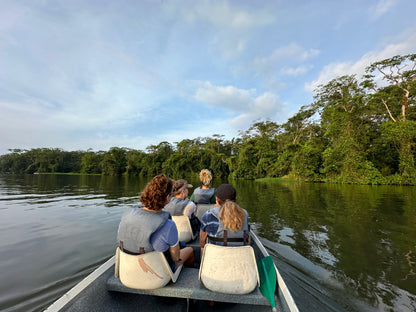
(79, 75)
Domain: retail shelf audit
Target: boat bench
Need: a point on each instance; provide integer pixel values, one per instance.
(188, 286)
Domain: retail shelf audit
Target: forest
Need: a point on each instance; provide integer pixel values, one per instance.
(357, 130)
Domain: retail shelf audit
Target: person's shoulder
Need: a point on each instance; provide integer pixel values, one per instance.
(207, 214)
(169, 227)
(170, 223)
(210, 213)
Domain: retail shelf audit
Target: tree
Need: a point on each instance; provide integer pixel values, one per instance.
(343, 110)
(398, 99)
(92, 162)
(114, 162)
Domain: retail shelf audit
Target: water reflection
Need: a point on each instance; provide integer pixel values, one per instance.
(364, 235)
(355, 244)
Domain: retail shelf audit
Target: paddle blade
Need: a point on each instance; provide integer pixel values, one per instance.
(267, 274)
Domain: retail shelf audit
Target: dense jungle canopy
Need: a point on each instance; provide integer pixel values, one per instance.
(357, 130)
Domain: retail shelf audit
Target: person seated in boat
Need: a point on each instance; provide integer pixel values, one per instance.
(180, 205)
(204, 194)
(147, 227)
(227, 223)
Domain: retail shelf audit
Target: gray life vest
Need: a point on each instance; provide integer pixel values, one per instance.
(136, 227)
(202, 196)
(233, 238)
(176, 206)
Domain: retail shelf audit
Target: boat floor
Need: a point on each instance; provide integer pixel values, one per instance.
(188, 286)
(96, 297)
(106, 293)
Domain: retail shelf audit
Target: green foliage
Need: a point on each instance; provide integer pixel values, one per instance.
(91, 162)
(353, 132)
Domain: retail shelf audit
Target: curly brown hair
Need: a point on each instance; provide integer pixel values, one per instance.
(154, 195)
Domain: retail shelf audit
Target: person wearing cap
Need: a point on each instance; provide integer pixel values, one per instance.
(227, 223)
(204, 194)
(180, 205)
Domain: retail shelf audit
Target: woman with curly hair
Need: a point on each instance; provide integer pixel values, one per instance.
(147, 227)
(204, 194)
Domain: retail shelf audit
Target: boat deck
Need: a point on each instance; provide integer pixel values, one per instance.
(189, 287)
(101, 291)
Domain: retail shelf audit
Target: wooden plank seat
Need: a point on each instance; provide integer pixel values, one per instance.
(188, 286)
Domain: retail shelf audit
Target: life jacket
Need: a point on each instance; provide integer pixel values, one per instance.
(202, 196)
(136, 227)
(176, 206)
(227, 237)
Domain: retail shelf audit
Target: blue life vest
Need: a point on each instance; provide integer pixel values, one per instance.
(202, 196)
(136, 227)
(176, 206)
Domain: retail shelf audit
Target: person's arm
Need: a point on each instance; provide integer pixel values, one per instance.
(202, 238)
(192, 197)
(175, 252)
(189, 209)
(202, 241)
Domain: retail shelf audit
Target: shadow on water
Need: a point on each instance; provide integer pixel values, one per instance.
(338, 247)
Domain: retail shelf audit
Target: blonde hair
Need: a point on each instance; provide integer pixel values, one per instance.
(205, 177)
(232, 215)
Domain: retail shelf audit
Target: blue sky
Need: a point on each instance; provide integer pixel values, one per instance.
(96, 74)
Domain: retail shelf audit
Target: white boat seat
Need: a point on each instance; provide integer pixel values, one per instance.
(146, 271)
(201, 209)
(229, 270)
(184, 228)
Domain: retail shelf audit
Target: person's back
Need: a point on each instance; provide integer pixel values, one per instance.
(204, 194)
(176, 206)
(233, 226)
(136, 227)
(148, 228)
(227, 223)
(180, 204)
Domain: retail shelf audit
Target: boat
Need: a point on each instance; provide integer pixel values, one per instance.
(103, 291)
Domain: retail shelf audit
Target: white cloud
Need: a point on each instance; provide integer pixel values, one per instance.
(225, 15)
(382, 7)
(246, 104)
(334, 70)
(292, 52)
(232, 24)
(296, 71)
(289, 60)
(225, 97)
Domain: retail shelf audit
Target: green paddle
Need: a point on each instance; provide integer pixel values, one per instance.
(267, 276)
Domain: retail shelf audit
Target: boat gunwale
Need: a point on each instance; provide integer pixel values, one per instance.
(78, 288)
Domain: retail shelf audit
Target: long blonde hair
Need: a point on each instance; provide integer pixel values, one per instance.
(232, 215)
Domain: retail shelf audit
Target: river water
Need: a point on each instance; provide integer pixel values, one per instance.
(339, 247)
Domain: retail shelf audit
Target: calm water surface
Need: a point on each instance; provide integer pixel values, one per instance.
(339, 247)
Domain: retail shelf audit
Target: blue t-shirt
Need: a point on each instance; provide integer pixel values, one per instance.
(167, 236)
(209, 223)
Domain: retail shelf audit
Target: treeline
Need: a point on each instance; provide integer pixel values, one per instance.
(357, 130)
